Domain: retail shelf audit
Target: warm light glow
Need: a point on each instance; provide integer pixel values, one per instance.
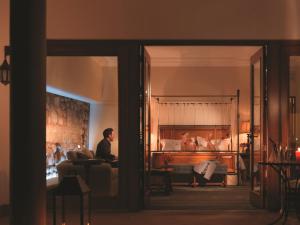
(297, 153)
(245, 127)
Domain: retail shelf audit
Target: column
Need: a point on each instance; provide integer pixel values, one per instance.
(28, 132)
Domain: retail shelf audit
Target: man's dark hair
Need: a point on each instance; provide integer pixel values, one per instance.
(107, 132)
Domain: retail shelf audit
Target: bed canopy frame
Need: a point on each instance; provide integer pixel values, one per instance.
(202, 99)
(198, 100)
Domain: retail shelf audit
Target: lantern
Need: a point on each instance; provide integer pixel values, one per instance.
(5, 70)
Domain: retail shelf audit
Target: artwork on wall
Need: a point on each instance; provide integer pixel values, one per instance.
(67, 123)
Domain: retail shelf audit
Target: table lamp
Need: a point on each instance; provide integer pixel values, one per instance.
(245, 129)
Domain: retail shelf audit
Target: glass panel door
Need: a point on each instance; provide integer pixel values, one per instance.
(257, 133)
(147, 129)
(294, 102)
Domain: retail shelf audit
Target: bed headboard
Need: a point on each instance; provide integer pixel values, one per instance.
(176, 131)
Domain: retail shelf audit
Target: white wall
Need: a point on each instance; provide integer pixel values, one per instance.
(80, 76)
(105, 114)
(203, 81)
(4, 109)
(173, 19)
(92, 79)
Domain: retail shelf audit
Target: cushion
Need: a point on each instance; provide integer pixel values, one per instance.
(71, 155)
(84, 154)
(81, 155)
(88, 153)
(223, 145)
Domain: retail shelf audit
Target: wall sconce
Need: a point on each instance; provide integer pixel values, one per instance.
(5, 68)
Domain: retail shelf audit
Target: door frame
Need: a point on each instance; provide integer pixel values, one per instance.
(262, 44)
(287, 49)
(128, 102)
(258, 200)
(132, 52)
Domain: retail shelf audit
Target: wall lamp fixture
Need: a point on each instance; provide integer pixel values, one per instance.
(5, 68)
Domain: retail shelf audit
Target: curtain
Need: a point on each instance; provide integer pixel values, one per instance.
(154, 124)
(195, 114)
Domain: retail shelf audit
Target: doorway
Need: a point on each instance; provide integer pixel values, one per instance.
(120, 92)
(199, 115)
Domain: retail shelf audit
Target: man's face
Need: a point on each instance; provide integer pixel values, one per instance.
(112, 136)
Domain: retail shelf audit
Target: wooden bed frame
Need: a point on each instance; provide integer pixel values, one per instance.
(193, 158)
(161, 158)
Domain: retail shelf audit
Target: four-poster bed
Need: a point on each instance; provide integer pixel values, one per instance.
(189, 130)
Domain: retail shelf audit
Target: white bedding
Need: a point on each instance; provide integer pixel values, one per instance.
(171, 144)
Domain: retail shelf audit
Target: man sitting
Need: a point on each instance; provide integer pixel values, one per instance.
(104, 148)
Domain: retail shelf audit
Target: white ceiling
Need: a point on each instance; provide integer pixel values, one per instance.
(200, 56)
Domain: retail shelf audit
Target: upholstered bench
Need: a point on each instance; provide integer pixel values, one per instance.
(182, 173)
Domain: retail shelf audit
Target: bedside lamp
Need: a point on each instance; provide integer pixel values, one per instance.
(245, 129)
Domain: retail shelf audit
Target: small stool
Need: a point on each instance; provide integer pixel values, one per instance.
(165, 174)
(70, 186)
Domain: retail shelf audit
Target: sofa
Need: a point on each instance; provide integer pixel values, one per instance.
(103, 179)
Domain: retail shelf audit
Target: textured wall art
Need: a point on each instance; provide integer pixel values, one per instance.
(67, 122)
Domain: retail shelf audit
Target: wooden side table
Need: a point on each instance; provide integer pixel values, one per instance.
(72, 186)
(165, 174)
(87, 163)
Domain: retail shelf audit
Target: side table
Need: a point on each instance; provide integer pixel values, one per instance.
(281, 169)
(165, 174)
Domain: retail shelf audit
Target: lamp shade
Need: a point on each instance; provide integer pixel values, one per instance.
(245, 127)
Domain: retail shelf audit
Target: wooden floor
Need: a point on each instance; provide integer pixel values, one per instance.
(203, 198)
(175, 217)
(185, 206)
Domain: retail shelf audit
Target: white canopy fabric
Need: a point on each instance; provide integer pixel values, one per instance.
(193, 112)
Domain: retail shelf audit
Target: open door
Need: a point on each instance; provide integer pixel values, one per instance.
(147, 127)
(257, 128)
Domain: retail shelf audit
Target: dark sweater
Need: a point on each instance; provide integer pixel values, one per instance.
(104, 151)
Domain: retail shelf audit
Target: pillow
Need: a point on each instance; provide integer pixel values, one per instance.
(216, 142)
(88, 153)
(201, 148)
(170, 144)
(202, 142)
(223, 145)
